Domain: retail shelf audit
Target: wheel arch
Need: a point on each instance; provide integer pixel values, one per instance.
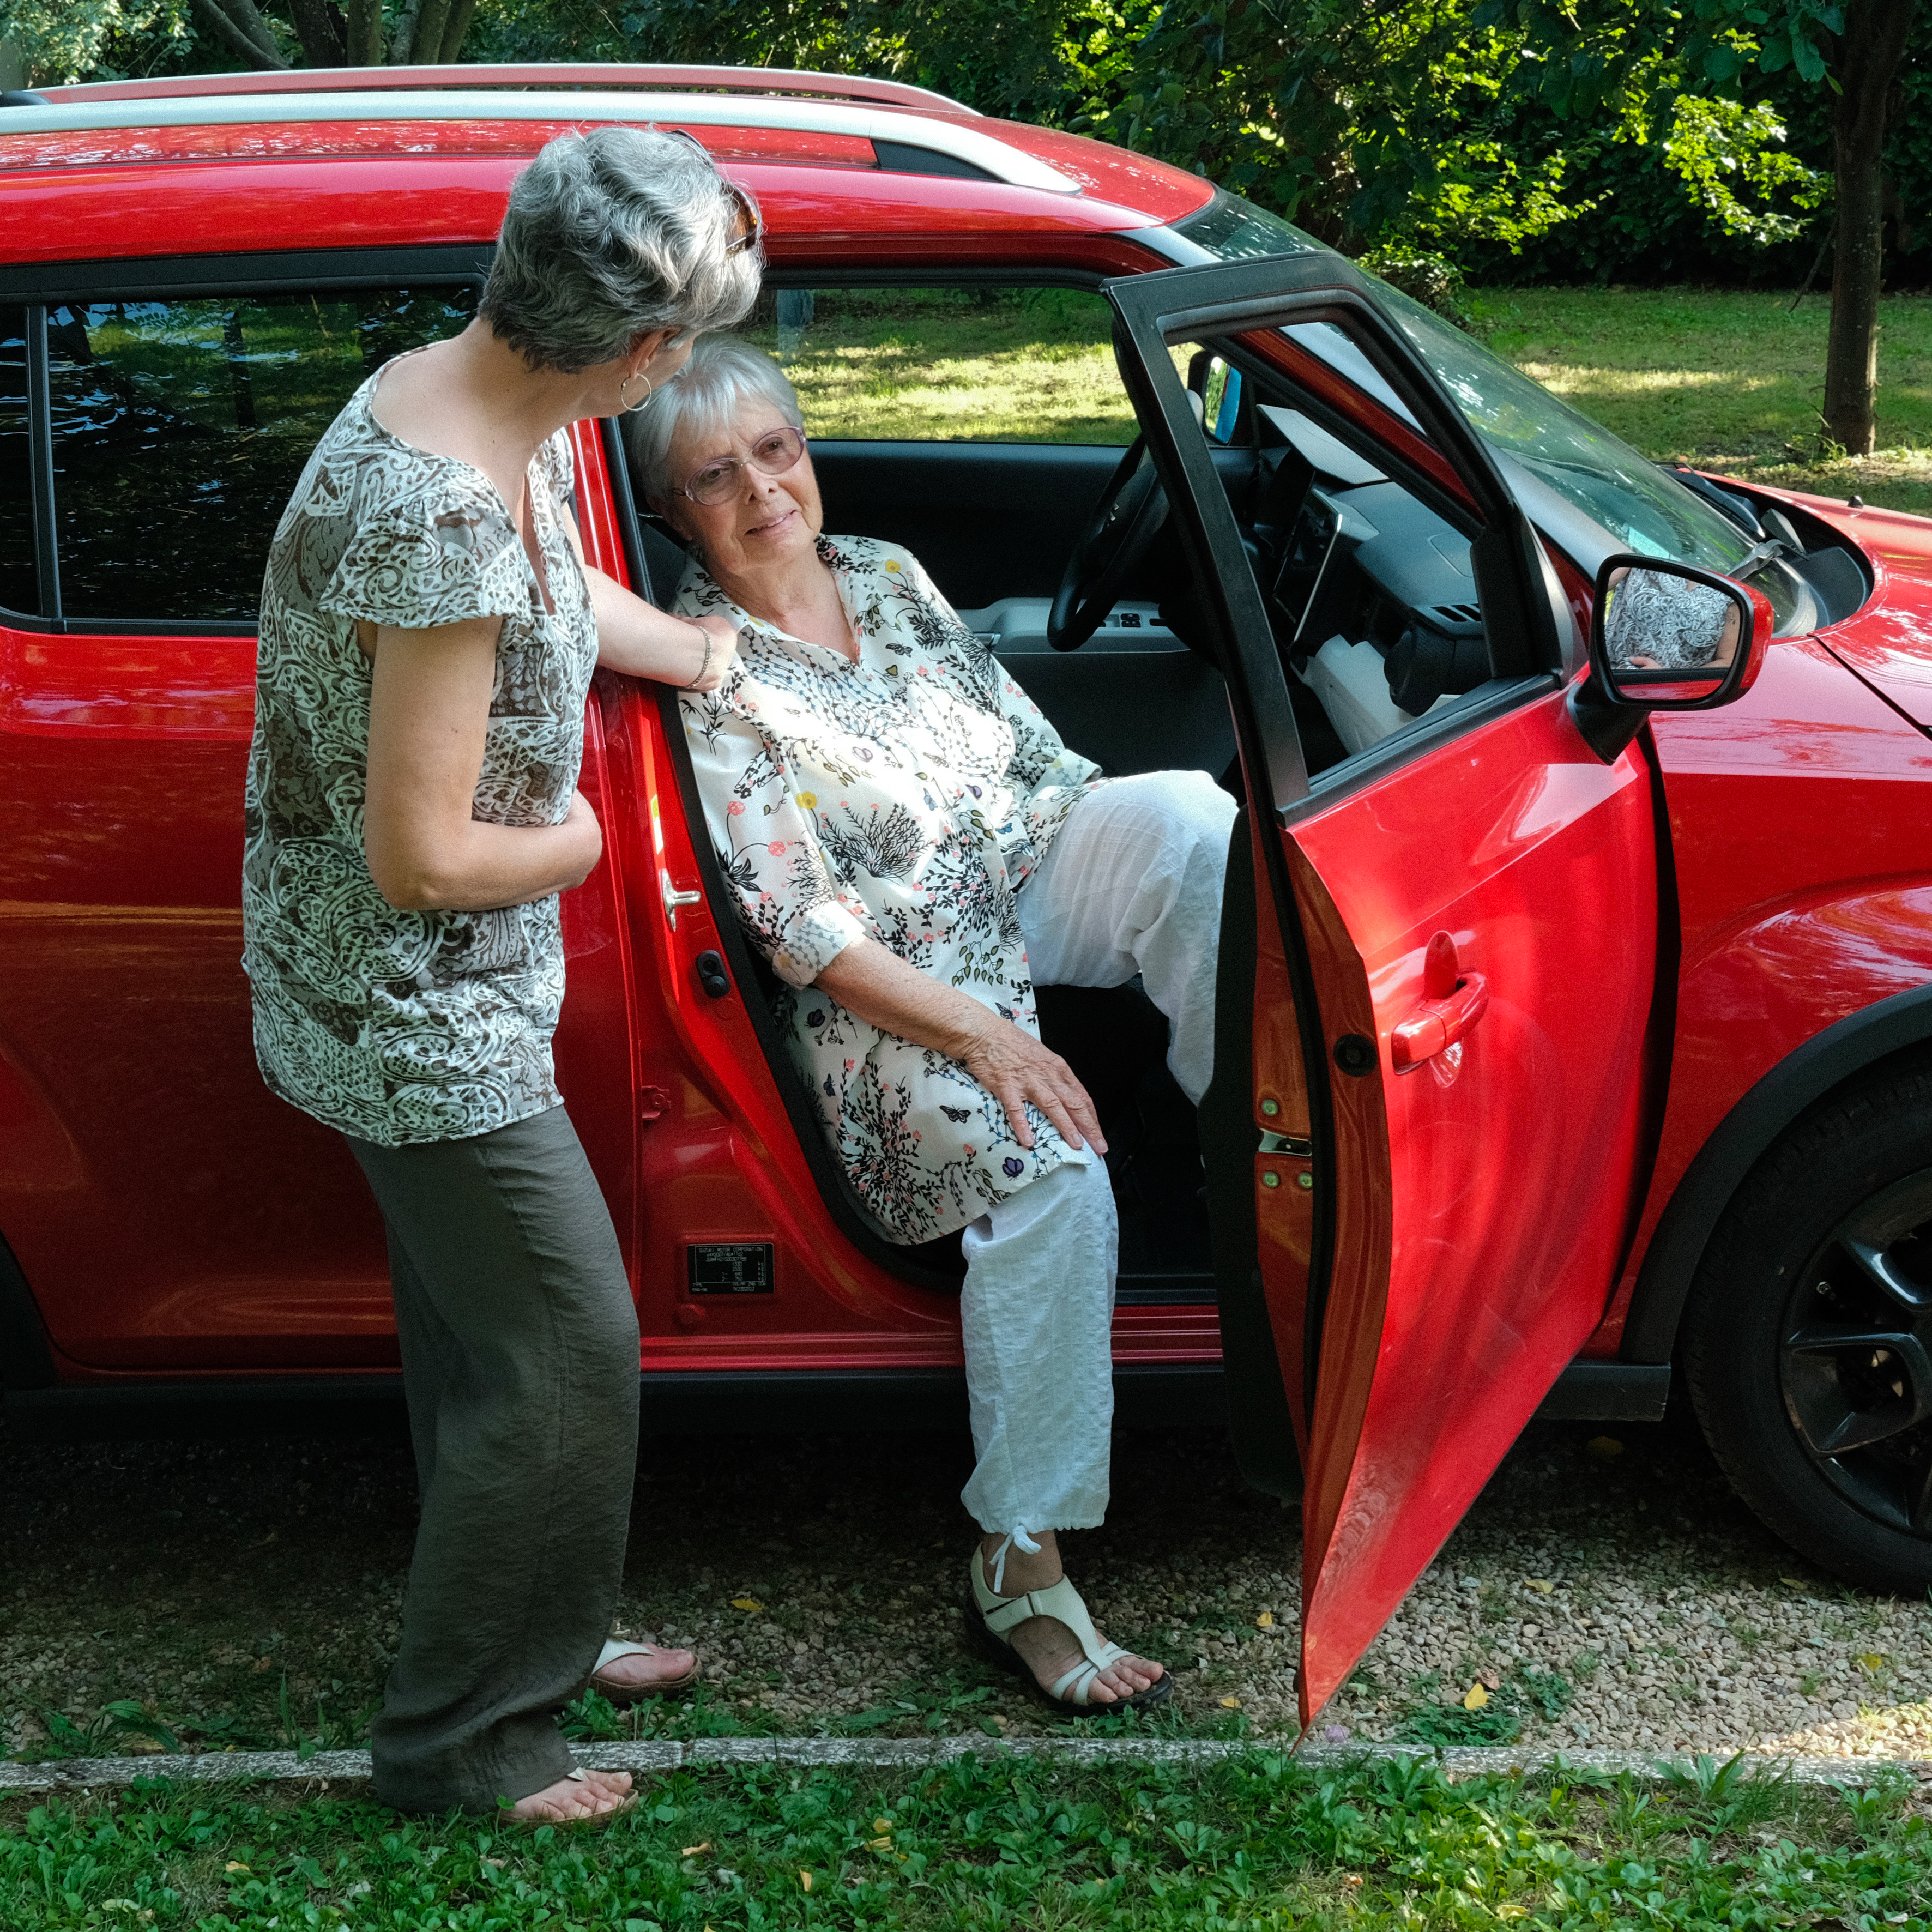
(26, 1355)
(1805, 1080)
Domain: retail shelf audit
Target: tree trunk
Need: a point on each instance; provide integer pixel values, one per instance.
(426, 43)
(365, 33)
(1870, 51)
(318, 27)
(461, 12)
(237, 23)
(403, 38)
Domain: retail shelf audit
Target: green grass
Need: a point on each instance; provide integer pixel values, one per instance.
(1730, 380)
(995, 1844)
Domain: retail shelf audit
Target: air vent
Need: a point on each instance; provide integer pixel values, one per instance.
(1458, 619)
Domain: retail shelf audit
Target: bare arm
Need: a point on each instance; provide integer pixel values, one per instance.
(429, 711)
(642, 641)
(873, 982)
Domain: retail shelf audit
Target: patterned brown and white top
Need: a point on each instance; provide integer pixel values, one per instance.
(904, 798)
(402, 1027)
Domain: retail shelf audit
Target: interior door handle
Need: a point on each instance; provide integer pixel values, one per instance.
(1453, 1001)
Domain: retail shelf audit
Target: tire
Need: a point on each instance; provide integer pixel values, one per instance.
(1808, 1340)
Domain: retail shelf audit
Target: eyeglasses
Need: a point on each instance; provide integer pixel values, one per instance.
(775, 452)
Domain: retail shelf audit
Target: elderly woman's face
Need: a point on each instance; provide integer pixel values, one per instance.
(765, 520)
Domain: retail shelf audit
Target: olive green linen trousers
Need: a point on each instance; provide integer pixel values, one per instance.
(520, 1362)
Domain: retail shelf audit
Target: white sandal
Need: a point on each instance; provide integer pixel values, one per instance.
(993, 1618)
(619, 1692)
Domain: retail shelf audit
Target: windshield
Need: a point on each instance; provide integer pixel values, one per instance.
(1558, 461)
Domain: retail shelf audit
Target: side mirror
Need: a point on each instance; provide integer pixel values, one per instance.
(1666, 636)
(1219, 388)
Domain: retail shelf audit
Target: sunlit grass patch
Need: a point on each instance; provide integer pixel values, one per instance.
(1731, 380)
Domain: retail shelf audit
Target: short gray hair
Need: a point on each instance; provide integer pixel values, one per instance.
(608, 235)
(703, 396)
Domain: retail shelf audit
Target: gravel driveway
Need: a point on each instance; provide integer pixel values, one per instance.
(1605, 1590)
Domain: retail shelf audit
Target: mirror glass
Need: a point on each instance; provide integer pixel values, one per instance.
(1667, 636)
(1221, 400)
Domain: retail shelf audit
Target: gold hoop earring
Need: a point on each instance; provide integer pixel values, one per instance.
(635, 376)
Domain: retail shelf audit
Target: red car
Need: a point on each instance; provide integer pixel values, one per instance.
(1575, 1006)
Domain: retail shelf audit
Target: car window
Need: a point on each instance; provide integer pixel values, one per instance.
(975, 364)
(180, 428)
(20, 586)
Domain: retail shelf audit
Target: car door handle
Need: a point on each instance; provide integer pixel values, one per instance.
(1453, 1001)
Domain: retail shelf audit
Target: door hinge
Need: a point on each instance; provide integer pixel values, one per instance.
(1286, 1144)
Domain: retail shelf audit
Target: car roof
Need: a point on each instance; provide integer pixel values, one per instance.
(748, 118)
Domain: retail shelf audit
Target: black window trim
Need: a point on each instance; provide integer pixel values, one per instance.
(40, 286)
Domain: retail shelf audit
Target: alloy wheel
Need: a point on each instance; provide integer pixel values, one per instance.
(1855, 1356)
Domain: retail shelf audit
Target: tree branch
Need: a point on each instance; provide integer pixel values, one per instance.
(240, 30)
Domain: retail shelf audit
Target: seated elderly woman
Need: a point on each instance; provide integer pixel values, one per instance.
(914, 849)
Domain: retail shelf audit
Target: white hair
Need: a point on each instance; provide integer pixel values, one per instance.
(703, 398)
(610, 234)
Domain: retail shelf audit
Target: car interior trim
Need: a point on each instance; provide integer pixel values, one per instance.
(1273, 764)
(1800, 1081)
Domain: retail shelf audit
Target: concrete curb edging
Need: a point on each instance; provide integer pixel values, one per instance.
(1468, 1761)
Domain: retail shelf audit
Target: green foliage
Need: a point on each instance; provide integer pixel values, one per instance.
(1510, 139)
(981, 1845)
(63, 40)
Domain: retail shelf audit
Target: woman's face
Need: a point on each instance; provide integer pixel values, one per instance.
(766, 522)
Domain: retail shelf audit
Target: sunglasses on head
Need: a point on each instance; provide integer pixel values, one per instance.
(753, 231)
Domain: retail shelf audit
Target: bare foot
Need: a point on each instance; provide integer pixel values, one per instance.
(635, 1673)
(584, 1794)
(1048, 1648)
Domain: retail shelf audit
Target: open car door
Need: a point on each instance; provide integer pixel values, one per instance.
(1455, 945)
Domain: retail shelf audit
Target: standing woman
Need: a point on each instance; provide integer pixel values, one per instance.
(429, 629)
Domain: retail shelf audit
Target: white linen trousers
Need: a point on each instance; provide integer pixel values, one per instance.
(1132, 884)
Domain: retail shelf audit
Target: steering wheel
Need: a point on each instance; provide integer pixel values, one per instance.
(1128, 517)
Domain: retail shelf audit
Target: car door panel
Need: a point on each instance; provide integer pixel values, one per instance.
(1464, 1217)
(1479, 1250)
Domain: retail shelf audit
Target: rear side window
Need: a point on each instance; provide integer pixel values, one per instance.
(19, 586)
(978, 364)
(181, 427)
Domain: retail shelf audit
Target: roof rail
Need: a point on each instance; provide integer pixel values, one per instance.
(950, 144)
(604, 75)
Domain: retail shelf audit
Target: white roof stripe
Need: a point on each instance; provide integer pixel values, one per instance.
(961, 141)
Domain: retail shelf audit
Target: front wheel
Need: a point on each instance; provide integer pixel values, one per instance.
(1808, 1338)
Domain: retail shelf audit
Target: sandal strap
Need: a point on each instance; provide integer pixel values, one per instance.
(1073, 1688)
(1060, 1599)
(613, 1650)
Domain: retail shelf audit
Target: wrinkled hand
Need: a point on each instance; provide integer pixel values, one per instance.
(1016, 1069)
(724, 636)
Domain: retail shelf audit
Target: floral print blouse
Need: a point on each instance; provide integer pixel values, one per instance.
(402, 1027)
(905, 798)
